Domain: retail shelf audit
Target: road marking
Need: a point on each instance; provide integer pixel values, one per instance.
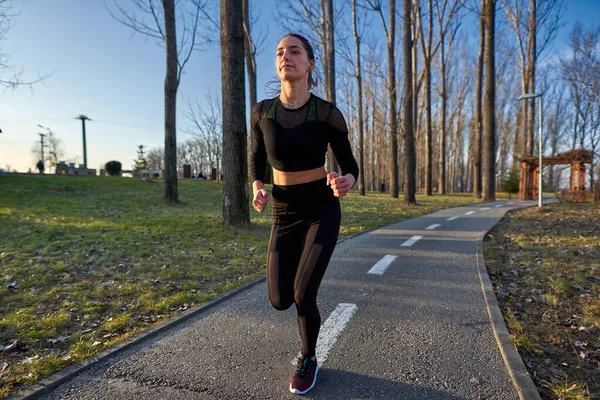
(331, 329)
(411, 241)
(451, 218)
(486, 208)
(382, 265)
(432, 227)
(470, 212)
(510, 204)
(499, 205)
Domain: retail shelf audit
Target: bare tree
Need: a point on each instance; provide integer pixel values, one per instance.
(206, 125)
(235, 164)
(409, 146)
(389, 29)
(428, 52)
(478, 142)
(157, 19)
(446, 14)
(55, 150)
(535, 27)
(156, 158)
(10, 77)
(489, 103)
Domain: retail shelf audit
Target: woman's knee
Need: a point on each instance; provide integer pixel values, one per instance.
(280, 304)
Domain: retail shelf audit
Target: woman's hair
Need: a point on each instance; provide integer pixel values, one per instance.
(312, 81)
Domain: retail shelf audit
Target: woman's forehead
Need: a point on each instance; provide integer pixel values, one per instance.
(289, 42)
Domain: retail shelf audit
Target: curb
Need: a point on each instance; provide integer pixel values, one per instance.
(513, 361)
(46, 385)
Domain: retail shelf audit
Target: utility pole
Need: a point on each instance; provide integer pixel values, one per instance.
(42, 141)
(83, 118)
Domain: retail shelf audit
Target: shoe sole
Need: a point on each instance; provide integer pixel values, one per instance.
(296, 391)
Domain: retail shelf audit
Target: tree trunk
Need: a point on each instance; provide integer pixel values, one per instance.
(250, 54)
(361, 143)
(393, 151)
(330, 68)
(442, 179)
(409, 144)
(532, 67)
(477, 147)
(171, 84)
(235, 167)
(489, 118)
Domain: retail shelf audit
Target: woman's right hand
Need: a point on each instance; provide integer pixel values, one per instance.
(261, 198)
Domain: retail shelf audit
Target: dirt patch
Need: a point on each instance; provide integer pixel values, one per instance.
(545, 267)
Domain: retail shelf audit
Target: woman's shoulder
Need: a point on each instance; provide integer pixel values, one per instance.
(260, 109)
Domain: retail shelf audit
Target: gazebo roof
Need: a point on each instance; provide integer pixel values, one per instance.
(569, 157)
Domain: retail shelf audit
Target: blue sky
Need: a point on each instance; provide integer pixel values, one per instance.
(100, 69)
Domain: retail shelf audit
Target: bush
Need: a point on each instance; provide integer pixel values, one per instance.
(510, 184)
(113, 168)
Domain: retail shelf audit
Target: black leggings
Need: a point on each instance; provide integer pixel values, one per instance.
(306, 223)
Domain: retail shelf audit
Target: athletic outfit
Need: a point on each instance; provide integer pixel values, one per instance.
(306, 217)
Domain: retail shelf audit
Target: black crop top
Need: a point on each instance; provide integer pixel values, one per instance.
(296, 140)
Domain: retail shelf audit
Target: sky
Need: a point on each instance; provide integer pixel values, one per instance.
(97, 67)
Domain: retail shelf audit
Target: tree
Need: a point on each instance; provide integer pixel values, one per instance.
(409, 144)
(358, 73)
(10, 77)
(140, 162)
(235, 165)
(156, 158)
(53, 152)
(510, 184)
(206, 124)
(541, 20)
(157, 19)
(390, 35)
(447, 27)
(489, 103)
(478, 142)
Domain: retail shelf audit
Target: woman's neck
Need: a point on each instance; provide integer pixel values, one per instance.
(294, 94)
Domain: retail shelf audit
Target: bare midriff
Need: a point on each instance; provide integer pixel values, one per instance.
(298, 177)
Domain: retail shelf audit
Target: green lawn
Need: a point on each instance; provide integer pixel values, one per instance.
(86, 262)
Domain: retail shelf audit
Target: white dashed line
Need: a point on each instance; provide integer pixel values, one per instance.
(331, 329)
(470, 212)
(432, 227)
(382, 265)
(451, 218)
(486, 208)
(510, 204)
(411, 241)
(499, 205)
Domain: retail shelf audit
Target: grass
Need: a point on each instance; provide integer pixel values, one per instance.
(87, 262)
(545, 266)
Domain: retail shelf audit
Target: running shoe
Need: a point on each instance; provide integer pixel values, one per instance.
(305, 377)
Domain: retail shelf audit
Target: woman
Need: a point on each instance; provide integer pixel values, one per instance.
(293, 131)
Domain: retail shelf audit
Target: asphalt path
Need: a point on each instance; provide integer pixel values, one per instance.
(418, 330)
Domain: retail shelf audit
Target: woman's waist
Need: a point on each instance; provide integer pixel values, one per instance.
(292, 178)
(303, 195)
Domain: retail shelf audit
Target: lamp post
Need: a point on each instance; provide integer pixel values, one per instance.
(533, 96)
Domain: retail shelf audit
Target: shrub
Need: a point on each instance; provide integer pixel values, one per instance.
(113, 168)
(510, 184)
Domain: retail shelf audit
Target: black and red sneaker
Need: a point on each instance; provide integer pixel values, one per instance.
(306, 375)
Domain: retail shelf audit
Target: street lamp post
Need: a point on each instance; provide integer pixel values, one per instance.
(540, 181)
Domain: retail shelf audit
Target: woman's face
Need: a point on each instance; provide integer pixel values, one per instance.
(291, 60)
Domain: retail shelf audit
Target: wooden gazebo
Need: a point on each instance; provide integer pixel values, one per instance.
(530, 168)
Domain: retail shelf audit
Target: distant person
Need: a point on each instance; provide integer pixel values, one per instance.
(200, 176)
(40, 167)
(293, 131)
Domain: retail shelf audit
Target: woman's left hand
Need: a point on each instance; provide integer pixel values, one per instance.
(340, 184)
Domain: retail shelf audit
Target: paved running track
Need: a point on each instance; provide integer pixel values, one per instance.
(403, 315)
